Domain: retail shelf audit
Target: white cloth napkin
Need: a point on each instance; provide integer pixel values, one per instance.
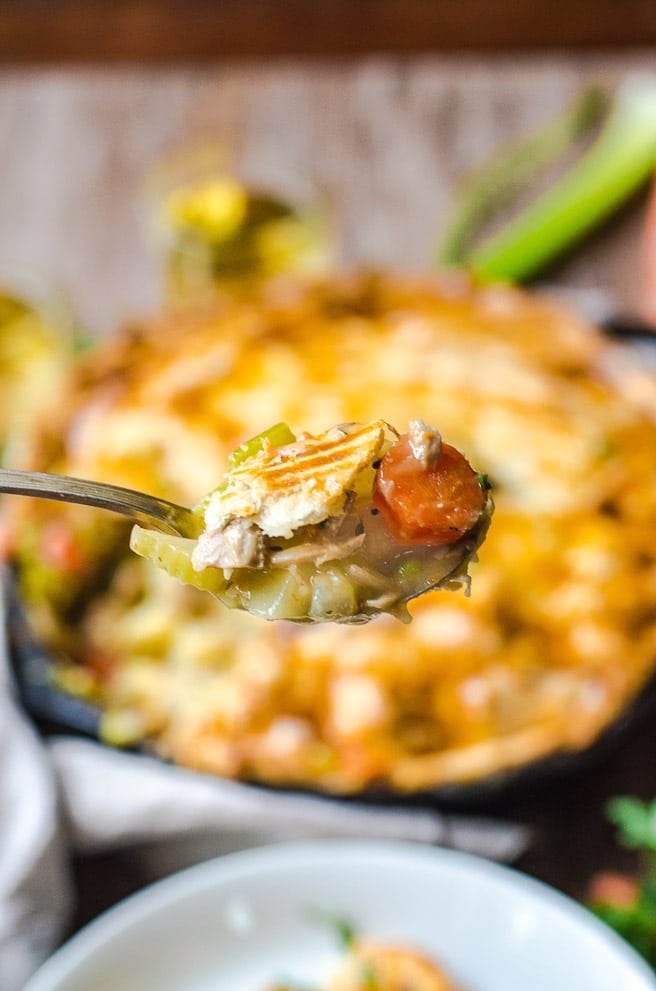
(69, 795)
(35, 891)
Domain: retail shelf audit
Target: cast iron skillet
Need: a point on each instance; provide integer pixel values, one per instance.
(56, 712)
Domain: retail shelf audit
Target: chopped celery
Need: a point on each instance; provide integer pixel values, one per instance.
(173, 555)
(273, 594)
(276, 436)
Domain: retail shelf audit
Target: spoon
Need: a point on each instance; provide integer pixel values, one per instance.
(158, 513)
(344, 566)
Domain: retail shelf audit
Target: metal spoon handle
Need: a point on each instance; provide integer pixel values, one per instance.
(155, 512)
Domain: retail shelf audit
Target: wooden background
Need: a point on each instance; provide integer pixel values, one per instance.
(157, 30)
(383, 141)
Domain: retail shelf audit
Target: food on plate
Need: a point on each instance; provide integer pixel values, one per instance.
(557, 637)
(377, 965)
(382, 966)
(344, 525)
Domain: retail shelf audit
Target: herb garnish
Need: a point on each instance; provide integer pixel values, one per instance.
(344, 929)
(627, 904)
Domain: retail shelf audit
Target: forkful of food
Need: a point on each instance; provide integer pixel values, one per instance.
(341, 526)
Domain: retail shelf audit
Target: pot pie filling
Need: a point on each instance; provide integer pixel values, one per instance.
(344, 526)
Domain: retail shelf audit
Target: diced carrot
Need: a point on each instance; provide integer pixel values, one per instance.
(424, 505)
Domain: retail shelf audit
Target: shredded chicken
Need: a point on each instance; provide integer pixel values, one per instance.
(239, 544)
(318, 552)
(368, 578)
(425, 442)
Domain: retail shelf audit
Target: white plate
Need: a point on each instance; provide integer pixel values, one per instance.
(244, 920)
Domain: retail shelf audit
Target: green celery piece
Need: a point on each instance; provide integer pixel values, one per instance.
(277, 435)
(511, 170)
(619, 162)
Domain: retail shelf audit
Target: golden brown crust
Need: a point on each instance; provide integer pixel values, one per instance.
(560, 631)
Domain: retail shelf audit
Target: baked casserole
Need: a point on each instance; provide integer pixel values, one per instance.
(559, 633)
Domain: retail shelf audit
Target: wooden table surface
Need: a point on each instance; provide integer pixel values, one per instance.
(157, 30)
(384, 141)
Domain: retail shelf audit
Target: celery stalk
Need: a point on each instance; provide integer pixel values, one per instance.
(614, 167)
(512, 170)
(276, 436)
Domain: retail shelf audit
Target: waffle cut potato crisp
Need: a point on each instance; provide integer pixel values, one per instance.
(558, 635)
